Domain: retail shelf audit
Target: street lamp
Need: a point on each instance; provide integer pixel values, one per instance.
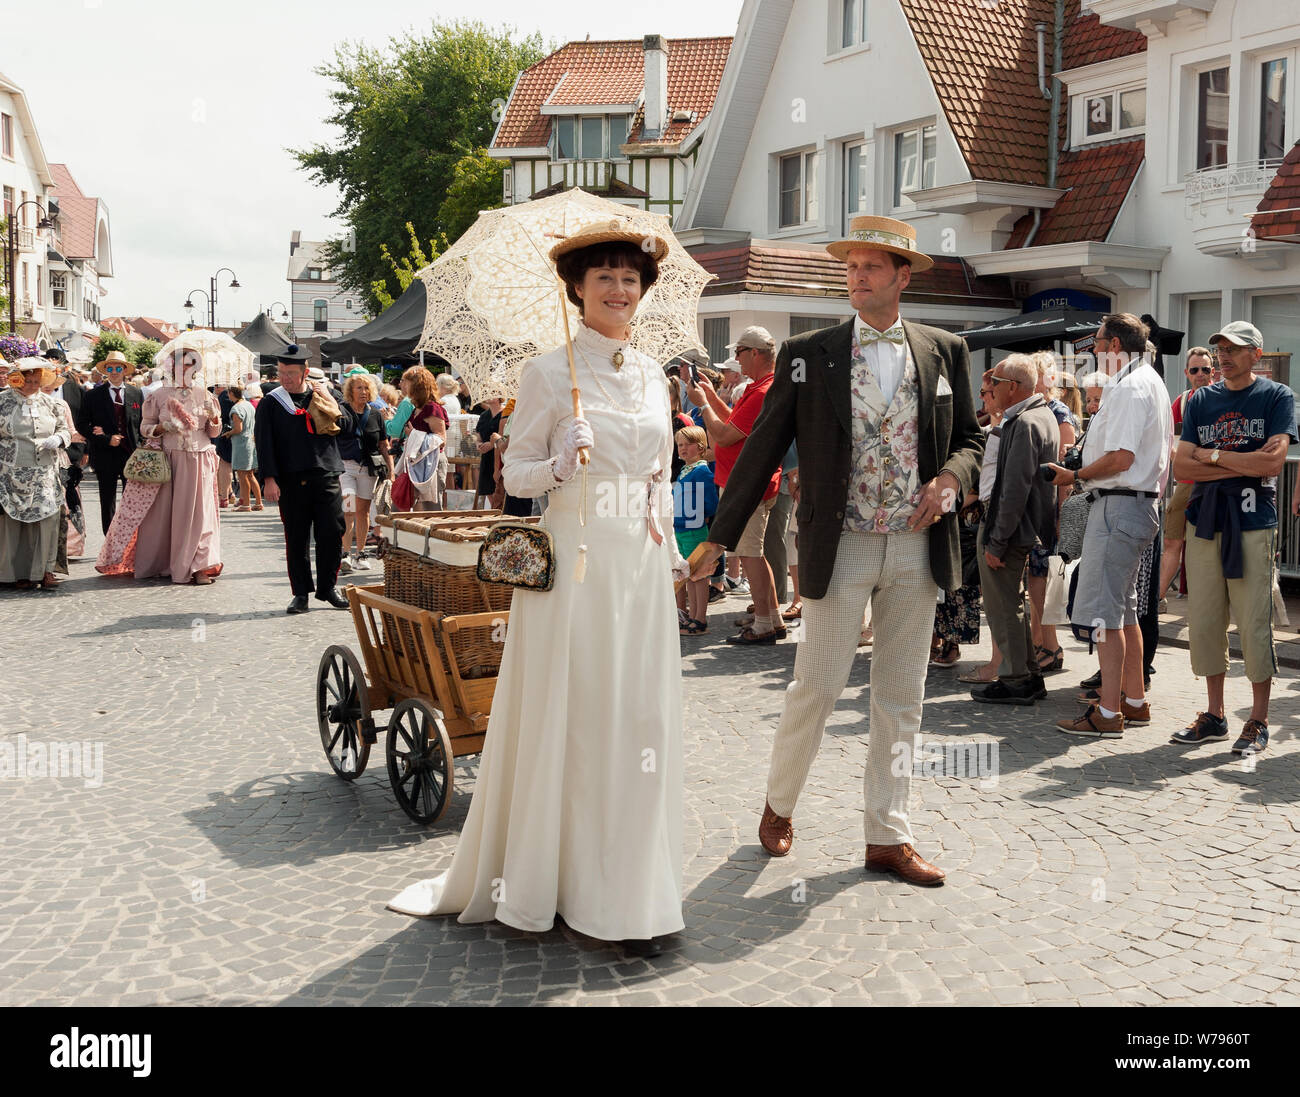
(189, 301)
(41, 225)
(284, 310)
(212, 296)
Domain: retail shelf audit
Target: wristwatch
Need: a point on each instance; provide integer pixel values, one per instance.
(1214, 456)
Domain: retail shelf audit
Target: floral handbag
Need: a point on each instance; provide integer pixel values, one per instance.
(148, 466)
(518, 555)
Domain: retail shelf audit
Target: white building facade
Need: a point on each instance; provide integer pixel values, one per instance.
(318, 305)
(1172, 119)
(24, 178)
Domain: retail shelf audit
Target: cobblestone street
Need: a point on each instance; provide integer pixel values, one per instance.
(219, 860)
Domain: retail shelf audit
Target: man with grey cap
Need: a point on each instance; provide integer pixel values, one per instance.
(1125, 466)
(1233, 447)
(728, 429)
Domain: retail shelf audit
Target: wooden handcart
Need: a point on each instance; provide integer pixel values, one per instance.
(431, 639)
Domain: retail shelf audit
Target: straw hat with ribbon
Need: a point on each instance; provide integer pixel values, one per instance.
(612, 232)
(882, 234)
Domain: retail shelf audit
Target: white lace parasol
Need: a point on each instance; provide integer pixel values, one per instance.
(493, 297)
(225, 362)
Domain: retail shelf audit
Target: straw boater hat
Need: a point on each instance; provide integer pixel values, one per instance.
(882, 234)
(604, 232)
(116, 358)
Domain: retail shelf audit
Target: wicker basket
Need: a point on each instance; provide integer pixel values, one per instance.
(419, 578)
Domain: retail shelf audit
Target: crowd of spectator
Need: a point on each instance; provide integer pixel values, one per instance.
(1098, 448)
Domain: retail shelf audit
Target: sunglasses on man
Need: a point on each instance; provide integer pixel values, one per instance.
(114, 369)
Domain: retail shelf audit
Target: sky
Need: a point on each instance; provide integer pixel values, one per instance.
(177, 114)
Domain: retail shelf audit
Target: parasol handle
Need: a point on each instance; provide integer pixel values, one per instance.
(583, 455)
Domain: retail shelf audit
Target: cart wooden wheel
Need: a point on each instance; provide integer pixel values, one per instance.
(342, 709)
(420, 762)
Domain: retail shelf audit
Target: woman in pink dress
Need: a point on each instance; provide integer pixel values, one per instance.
(178, 534)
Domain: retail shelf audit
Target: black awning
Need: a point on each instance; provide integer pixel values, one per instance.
(263, 337)
(1034, 330)
(391, 334)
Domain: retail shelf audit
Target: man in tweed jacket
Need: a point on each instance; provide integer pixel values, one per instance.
(882, 415)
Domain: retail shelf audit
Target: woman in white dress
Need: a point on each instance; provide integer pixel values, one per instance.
(578, 806)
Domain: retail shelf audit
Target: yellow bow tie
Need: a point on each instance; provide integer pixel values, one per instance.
(895, 335)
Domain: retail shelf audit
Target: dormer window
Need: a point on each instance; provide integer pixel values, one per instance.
(313, 274)
(589, 136)
(1106, 115)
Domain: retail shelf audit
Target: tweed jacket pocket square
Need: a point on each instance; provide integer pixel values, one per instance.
(944, 389)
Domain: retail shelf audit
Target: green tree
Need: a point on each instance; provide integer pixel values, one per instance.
(405, 269)
(142, 353)
(109, 341)
(407, 114)
(475, 186)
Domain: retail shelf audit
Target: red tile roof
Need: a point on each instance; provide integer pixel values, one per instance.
(1279, 210)
(1096, 179)
(594, 73)
(1088, 40)
(983, 62)
(78, 215)
(755, 268)
(597, 88)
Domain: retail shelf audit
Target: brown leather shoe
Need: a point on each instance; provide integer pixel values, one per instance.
(775, 832)
(905, 862)
(1136, 715)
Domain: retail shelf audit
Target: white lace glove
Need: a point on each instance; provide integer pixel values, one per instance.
(565, 463)
(53, 442)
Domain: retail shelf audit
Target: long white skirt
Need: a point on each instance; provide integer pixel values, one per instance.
(578, 805)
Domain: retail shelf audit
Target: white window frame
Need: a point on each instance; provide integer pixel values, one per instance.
(1080, 108)
(897, 196)
(59, 290)
(808, 194)
(1290, 101)
(315, 306)
(7, 136)
(1194, 73)
(608, 151)
(848, 150)
(859, 29)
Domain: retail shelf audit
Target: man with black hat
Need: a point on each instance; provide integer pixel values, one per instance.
(301, 467)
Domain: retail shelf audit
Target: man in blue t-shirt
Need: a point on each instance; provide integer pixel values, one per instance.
(1234, 445)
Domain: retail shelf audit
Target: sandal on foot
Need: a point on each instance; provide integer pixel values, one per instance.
(693, 628)
(794, 613)
(1055, 659)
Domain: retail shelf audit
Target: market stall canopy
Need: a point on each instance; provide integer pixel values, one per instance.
(391, 334)
(1034, 330)
(262, 337)
(1043, 330)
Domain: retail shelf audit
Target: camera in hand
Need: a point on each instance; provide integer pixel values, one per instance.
(1071, 462)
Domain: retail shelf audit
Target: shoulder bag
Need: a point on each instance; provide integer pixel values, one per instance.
(1073, 524)
(148, 466)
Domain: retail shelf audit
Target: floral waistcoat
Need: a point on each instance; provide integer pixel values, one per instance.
(885, 482)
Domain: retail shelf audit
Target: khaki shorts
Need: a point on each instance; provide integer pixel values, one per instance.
(1210, 595)
(1176, 512)
(751, 541)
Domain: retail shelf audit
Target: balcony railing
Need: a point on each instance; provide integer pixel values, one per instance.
(1219, 201)
(1250, 178)
(25, 238)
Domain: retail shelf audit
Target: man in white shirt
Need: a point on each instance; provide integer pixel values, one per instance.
(1125, 466)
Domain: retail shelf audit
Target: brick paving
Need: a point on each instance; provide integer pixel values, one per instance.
(220, 860)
